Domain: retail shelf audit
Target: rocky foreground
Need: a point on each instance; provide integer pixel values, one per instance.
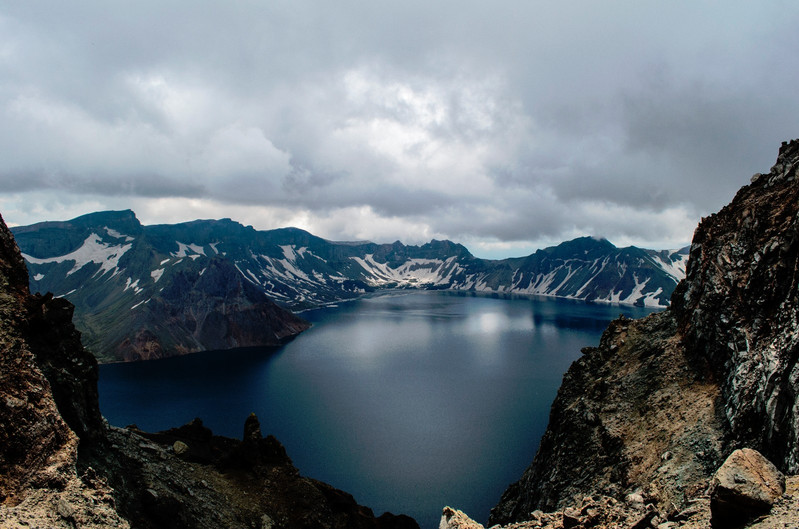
(62, 466)
(642, 423)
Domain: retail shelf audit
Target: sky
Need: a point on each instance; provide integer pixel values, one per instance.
(506, 126)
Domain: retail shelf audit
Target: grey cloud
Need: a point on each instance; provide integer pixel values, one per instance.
(514, 121)
(131, 184)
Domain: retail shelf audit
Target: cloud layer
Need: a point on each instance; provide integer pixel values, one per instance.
(506, 126)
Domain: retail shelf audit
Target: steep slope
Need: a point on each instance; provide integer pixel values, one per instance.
(43, 404)
(739, 309)
(61, 466)
(133, 302)
(661, 402)
(149, 291)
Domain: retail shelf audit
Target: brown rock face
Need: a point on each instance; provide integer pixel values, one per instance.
(632, 416)
(38, 450)
(36, 445)
(658, 405)
(746, 486)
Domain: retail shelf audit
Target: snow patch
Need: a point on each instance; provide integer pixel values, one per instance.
(38, 277)
(186, 250)
(675, 268)
(93, 250)
(140, 303)
(413, 272)
(156, 274)
(116, 235)
(288, 252)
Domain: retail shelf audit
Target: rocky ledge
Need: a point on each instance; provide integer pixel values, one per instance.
(654, 410)
(62, 466)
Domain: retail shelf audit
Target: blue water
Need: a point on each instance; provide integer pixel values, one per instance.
(408, 401)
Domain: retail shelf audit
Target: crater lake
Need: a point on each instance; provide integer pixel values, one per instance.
(407, 400)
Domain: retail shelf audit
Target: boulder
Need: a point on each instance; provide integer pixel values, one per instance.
(455, 519)
(746, 486)
(180, 448)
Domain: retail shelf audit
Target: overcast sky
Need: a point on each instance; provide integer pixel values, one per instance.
(504, 125)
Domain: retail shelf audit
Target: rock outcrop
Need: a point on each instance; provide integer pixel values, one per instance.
(61, 465)
(46, 401)
(738, 309)
(634, 512)
(746, 486)
(187, 477)
(656, 408)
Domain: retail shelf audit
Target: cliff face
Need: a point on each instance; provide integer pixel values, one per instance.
(36, 445)
(737, 309)
(48, 398)
(204, 307)
(658, 405)
(62, 466)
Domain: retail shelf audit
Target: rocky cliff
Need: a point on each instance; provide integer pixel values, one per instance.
(62, 466)
(203, 307)
(655, 409)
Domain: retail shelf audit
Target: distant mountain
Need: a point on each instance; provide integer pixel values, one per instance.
(137, 297)
(149, 291)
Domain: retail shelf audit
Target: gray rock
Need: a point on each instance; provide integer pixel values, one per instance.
(180, 448)
(252, 428)
(65, 509)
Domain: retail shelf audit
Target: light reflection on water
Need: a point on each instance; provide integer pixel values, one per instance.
(408, 401)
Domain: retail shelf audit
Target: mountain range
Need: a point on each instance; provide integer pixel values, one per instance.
(144, 292)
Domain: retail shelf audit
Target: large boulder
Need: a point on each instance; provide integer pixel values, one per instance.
(746, 486)
(455, 519)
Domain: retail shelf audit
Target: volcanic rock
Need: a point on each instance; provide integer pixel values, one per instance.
(718, 370)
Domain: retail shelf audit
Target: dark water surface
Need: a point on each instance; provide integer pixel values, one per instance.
(408, 401)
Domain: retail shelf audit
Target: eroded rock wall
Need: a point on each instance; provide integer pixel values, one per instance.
(659, 404)
(738, 309)
(43, 402)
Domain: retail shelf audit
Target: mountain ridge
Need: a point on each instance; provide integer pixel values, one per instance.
(114, 269)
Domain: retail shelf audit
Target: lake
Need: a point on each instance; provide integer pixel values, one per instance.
(409, 401)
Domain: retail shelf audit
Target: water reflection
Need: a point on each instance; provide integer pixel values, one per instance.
(410, 401)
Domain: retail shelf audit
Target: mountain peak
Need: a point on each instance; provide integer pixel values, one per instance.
(582, 247)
